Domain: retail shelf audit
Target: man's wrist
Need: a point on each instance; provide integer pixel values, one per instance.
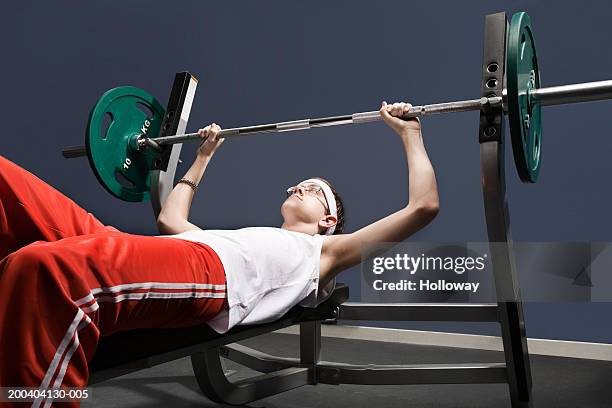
(201, 156)
(410, 134)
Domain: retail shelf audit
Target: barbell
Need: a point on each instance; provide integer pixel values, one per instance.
(122, 148)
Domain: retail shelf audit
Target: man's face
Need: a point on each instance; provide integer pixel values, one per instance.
(305, 203)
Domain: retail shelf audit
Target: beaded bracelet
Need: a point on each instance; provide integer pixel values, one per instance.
(190, 183)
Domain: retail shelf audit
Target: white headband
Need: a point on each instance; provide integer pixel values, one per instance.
(329, 197)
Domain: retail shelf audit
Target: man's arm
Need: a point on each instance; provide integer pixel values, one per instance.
(174, 215)
(344, 250)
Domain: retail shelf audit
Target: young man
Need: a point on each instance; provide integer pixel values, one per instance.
(66, 279)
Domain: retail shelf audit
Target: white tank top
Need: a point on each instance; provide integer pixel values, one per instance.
(268, 271)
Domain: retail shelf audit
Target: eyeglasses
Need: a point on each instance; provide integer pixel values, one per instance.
(310, 189)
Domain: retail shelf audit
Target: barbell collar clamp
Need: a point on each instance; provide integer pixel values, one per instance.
(143, 141)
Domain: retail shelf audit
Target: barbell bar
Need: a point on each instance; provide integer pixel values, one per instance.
(303, 124)
(554, 95)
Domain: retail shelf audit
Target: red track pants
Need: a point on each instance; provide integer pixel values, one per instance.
(66, 279)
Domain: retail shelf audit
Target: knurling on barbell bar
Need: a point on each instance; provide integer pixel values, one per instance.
(122, 152)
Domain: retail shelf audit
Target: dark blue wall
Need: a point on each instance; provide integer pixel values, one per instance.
(275, 60)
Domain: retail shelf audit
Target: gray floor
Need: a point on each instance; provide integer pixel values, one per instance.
(558, 382)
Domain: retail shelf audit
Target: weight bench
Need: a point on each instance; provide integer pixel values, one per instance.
(134, 350)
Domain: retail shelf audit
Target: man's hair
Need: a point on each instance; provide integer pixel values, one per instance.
(339, 206)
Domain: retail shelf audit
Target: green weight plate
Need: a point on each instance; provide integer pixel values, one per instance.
(522, 76)
(118, 117)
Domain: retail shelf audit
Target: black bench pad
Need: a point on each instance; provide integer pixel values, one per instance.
(125, 347)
